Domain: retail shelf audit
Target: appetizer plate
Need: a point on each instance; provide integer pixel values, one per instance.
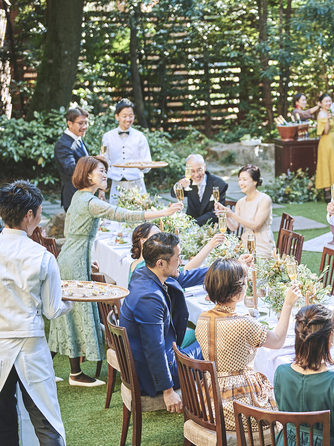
(80, 291)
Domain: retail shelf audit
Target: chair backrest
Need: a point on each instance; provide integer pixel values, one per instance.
(200, 394)
(231, 205)
(125, 360)
(263, 417)
(50, 245)
(291, 244)
(36, 236)
(287, 222)
(327, 259)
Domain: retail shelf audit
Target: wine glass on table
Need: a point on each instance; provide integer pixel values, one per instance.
(332, 192)
(179, 192)
(187, 174)
(215, 193)
(251, 247)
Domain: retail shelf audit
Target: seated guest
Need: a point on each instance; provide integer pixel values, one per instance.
(30, 287)
(307, 384)
(146, 230)
(200, 200)
(155, 315)
(231, 339)
(299, 103)
(253, 212)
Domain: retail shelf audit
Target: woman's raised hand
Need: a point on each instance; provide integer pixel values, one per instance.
(292, 295)
(175, 207)
(217, 239)
(247, 258)
(219, 208)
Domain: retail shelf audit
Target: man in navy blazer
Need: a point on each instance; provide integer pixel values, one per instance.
(68, 149)
(155, 315)
(200, 199)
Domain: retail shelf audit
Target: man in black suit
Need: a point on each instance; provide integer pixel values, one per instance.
(200, 199)
(68, 149)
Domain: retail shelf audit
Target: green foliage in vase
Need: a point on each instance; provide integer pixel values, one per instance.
(293, 188)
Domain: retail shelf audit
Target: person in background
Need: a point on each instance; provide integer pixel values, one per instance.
(299, 103)
(200, 199)
(125, 144)
(325, 160)
(231, 340)
(253, 212)
(307, 384)
(30, 288)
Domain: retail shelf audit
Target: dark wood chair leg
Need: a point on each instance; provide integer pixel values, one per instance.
(110, 385)
(98, 368)
(187, 442)
(136, 427)
(125, 424)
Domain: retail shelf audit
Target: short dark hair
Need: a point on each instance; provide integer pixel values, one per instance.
(225, 279)
(254, 172)
(84, 167)
(16, 199)
(323, 96)
(159, 246)
(313, 328)
(296, 98)
(124, 103)
(73, 113)
(141, 231)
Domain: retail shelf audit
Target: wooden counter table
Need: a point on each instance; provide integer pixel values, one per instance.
(296, 154)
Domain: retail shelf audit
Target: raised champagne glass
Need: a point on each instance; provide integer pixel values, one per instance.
(179, 192)
(332, 192)
(222, 223)
(215, 193)
(104, 150)
(292, 271)
(251, 247)
(187, 174)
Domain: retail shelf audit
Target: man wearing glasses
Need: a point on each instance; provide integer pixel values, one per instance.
(68, 149)
(200, 198)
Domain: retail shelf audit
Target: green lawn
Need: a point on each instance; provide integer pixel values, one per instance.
(87, 422)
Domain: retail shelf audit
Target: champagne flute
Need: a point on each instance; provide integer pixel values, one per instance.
(332, 192)
(222, 223)
(187, 174)
(104, 150)
(251, 247)
(292, 271)
(179, 192)
(215, 193)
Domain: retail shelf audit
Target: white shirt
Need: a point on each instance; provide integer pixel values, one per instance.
(76, 138)
(126, 148)
(201, 187)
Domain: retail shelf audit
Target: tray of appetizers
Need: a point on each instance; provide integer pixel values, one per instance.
(80, 291)
(142, 164)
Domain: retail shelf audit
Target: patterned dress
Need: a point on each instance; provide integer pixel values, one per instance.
(231, 341)
(79, 333)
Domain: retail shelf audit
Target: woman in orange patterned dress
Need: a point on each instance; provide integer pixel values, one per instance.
(231, 339)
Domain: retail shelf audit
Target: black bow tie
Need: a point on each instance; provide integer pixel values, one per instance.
(122, 133)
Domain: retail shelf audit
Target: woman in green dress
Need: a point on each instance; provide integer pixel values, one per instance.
(79, 333)
(307, 385)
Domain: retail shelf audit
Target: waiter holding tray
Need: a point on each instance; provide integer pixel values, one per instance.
(122, 146)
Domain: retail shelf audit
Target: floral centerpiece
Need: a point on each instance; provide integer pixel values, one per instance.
(133, 200)
(274, 273)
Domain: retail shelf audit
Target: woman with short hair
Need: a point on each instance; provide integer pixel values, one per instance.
(231, 339)
(307, 384)
(79, 333)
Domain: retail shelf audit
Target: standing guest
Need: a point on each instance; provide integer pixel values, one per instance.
(307, 384)
(253, 212)
(68, 149)
(125, 144)
(200, 200)
(299, 103)
(231, 339)
(325, 161)
(79, 333)
(30, 287)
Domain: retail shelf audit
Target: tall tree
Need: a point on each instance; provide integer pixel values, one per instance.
(58, 68)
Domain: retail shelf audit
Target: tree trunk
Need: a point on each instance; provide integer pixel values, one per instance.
(136, 83)
(264, 58)
(284, 30)
(57, 72)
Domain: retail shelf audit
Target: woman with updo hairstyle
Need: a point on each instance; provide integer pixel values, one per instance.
(307, 384)
(325, 160)
(139, 236)
(299, 103)
(253, 212)
(231, 339)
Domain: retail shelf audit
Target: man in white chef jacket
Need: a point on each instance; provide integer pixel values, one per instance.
(30, 287)
(125, 144)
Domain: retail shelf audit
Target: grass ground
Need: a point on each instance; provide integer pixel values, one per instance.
(88, 423)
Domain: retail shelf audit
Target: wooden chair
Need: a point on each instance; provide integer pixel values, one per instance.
(297, 418)
(50, 245)
(291, 244)
(203, 424)
(328, 259)
(132, 400)
(287, 222)
(231, 205)
(36, 236)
